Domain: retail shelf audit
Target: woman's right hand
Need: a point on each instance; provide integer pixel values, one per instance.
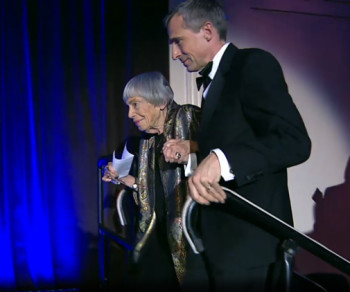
(109, 173)
(176, 151)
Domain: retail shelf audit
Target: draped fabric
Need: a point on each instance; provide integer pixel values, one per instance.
(63, 66)
(181, 123)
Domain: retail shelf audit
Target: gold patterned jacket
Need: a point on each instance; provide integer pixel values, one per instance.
(181, 123)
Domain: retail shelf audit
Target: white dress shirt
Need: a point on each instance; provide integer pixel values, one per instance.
(224, 164)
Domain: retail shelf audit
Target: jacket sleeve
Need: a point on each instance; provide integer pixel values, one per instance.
(273, 135)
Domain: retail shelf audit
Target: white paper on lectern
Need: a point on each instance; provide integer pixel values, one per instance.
(122, 166)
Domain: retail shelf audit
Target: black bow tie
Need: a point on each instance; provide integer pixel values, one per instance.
(204, 78)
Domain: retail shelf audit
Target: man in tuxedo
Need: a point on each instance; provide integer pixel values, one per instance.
(250, 133)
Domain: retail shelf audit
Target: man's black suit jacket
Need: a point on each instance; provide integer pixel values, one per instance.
(251, 117)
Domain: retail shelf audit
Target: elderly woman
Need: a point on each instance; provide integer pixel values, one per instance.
(160, 248)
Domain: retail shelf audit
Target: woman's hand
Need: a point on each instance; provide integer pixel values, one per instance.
(109, 173)
(176, 151)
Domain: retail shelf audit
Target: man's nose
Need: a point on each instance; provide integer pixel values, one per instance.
(176, 52)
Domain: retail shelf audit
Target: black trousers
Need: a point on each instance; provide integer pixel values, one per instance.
(155, 268)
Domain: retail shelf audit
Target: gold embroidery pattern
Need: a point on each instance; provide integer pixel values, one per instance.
(182, 123)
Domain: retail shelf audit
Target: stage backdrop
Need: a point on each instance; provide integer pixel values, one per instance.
(63, 66)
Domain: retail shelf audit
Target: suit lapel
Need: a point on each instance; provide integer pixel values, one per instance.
(216, 86)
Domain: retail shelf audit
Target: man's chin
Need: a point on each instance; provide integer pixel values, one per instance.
(187, 65)
(190, 70)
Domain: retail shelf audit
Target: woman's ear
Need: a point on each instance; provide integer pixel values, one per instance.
(163, 106)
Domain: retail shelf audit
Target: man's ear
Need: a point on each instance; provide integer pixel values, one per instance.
(207, 29)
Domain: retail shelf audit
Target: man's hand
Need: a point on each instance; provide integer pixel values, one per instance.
(204, 183)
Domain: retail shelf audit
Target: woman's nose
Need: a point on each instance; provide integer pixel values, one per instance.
(131, 113)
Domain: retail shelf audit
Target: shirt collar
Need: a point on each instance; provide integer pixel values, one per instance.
(217, 59)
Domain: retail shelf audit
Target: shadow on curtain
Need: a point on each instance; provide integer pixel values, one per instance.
(62, 65)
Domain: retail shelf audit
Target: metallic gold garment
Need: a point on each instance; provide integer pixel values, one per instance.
(181, 123)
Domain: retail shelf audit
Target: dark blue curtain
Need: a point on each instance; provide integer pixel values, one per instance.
(63, 65)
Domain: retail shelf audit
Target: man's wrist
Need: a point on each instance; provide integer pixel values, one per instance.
(225, 167)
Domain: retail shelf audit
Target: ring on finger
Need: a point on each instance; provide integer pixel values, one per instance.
(177, 155)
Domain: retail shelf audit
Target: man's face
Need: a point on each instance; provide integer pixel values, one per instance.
(187, 46)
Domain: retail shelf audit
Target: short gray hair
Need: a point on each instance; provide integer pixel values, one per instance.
(152, 86)
(196, 12)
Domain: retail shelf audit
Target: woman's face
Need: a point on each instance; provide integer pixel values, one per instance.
(147, 117)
